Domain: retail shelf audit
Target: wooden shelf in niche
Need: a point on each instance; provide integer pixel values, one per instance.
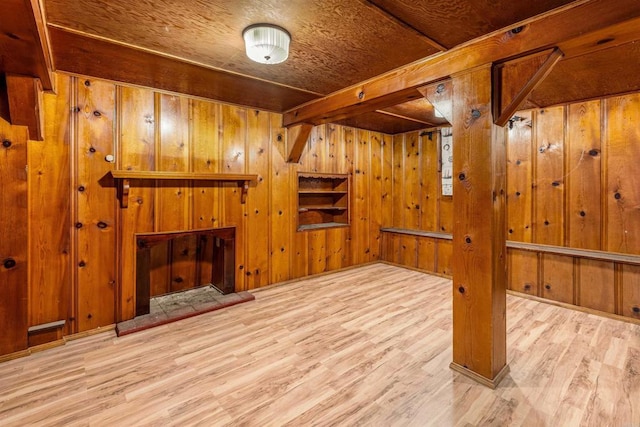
(124, 177)
(323, 201)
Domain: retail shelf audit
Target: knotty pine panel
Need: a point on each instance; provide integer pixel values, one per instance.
(317, 252)
(596, 285)
(360, 198)
(14, 246)
(205, 158)
(50, 277)
(408, 254)
(630, 291)
(387, 180)
(95, 220)
(376, 182)
(173, 198)
(233, 139)
(427, 254)
(282, 218)
(444, 256)
(523, 271)
(412, 181)
(398, 181)
(137, 151)
(429, 181)
(557, 278)
(584, 175)
(258, 161)
(519, 175)
(622, 151)
(549, 176)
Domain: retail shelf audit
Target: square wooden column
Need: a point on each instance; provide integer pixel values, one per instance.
(479, 261)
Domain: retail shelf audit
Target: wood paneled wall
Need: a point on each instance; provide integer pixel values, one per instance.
(572, 182)
(80, 255)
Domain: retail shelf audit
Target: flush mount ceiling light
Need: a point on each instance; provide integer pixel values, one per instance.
(266, 43)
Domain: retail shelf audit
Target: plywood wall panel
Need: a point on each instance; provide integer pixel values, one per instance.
(583, 175)
(596, 287)
(137, 151)
(444, 256)
(95, 220)
(258, 159)
(282, 218)
(14, 246)
(50, 294)
(622, 139)
(426, 254)
(519, 172)
(549, 176)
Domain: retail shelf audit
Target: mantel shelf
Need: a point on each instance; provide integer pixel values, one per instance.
(125, 176)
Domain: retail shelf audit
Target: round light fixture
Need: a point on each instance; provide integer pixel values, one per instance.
(266, 43)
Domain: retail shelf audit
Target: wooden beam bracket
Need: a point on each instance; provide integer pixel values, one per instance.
(513, 82)
(26, 104)
(297, 137)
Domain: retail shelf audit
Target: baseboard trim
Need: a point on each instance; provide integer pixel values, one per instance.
(491, 383)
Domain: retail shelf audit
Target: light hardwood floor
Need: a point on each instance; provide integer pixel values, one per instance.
(368, 346)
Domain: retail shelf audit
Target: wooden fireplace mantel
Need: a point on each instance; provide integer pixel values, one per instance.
(124, 177)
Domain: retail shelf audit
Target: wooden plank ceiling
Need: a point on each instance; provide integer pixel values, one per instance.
(196, 47)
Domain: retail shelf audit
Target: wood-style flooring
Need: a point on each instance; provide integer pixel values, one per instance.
(367, 346)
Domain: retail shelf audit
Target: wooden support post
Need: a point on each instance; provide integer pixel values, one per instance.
(297, 137)
(479, 264)
(25, 104)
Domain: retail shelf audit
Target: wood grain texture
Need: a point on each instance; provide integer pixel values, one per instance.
(14, 246)
(479, 261)
(623, 186)
(523, 271)
(558, 278)
(596, 285)
(96, 209)
(549, 177)
(631, 291)
(584, 175)
(50, 295)
(348, 355)
(519, 178)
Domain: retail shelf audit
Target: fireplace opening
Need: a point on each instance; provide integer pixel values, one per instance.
(173, 262)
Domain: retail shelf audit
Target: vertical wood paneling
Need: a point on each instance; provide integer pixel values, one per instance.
(173, 198)
(335, 163)
(583, 175)
(376, 189)
(411, 181)
(136, 152)
(596, 288)
(233, 137)
(549, 176)
(429, 182)
(50, 295)
(444, 256)
(557, 278)
(387, 180)
(523, 271)
(398, 181)
(317, 252)
(258, 159)
(282, 217)
(426, 254)
(631, 291)
(95, 222)
(14, 246)
(360, 206)
(519, 173)
(623, 181)
(205, 158)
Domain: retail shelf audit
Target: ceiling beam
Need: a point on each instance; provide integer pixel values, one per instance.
(391, 17)
(570, 24)
(400, 116)
(440, 95)
(24, 43)
(513, 82)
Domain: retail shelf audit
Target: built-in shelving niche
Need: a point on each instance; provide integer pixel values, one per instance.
(323, 201)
